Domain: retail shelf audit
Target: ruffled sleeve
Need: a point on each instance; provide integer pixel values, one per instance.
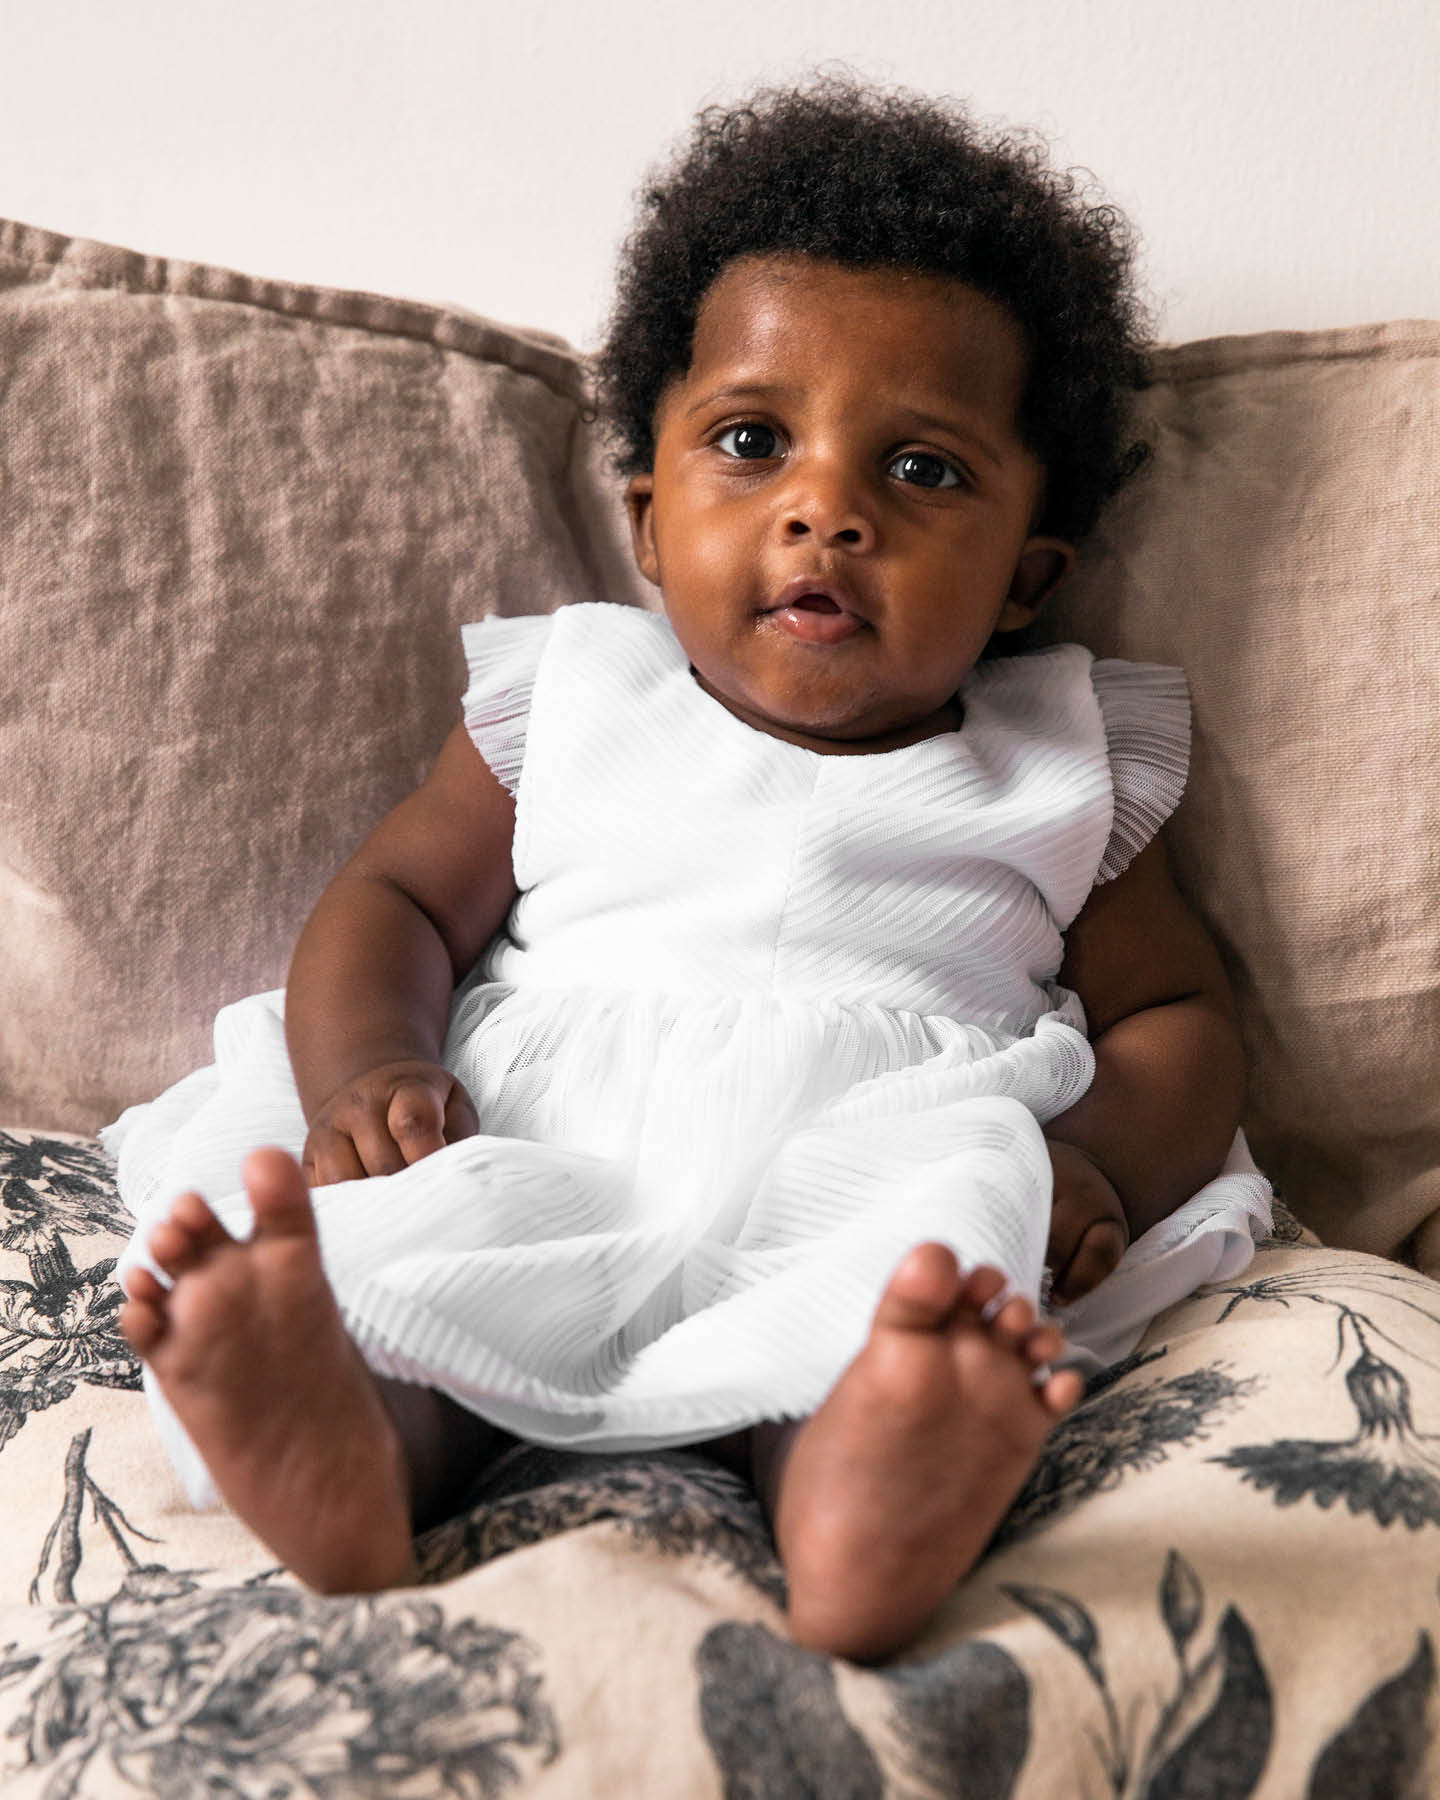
(503, 656)
(1146, 712)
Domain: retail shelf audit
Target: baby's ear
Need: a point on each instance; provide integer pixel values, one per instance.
(640, 506)
(1044, 563)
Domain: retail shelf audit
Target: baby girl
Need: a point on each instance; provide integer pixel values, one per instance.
(757, 997)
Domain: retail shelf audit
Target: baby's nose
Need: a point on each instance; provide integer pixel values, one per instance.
(828, 504)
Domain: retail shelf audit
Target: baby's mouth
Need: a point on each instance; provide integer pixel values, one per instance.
(814, 615)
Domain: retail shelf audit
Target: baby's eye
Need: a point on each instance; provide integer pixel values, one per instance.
(751, 442)
(921, 469)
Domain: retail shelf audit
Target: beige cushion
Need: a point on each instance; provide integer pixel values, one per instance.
(240, 525)
(1284, 547)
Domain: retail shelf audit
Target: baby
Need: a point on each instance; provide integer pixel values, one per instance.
(820, 975)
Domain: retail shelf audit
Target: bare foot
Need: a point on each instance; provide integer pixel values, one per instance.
(888, 1495)
(251, 1352)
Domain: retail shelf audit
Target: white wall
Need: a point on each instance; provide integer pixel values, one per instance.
(1282, 157)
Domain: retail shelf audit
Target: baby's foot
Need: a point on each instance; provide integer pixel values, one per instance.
(892, 1490)
(251, 1352)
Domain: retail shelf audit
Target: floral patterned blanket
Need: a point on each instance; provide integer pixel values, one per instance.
(1219, 1583)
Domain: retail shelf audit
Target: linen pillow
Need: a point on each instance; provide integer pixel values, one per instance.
(1283, 546)
(241, 522)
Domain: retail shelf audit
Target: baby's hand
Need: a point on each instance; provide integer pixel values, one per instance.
(385, 1119)
(1088, 1229)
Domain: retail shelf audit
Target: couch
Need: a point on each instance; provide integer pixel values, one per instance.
(241, 522)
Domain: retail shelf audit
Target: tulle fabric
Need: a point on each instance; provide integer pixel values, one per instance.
(615, 1261)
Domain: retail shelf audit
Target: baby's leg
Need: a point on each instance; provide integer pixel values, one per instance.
(885, 1497)
(329, 1466)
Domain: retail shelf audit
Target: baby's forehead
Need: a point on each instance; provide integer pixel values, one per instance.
(768, 319)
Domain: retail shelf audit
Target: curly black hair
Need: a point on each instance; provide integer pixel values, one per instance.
(869, 178)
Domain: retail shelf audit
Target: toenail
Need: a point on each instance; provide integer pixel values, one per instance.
(993, 1307)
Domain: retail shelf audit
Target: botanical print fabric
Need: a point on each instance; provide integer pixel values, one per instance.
(1219, 1582)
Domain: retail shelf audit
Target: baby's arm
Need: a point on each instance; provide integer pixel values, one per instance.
(1162, 1111)
(368, 999)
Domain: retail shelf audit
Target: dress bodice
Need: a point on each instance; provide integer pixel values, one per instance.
(664, 845)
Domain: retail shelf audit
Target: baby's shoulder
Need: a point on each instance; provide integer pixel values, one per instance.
(1069, 682)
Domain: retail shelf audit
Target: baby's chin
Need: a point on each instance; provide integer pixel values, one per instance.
(841, 728)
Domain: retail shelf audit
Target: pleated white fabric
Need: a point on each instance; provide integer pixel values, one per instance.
(761, 1021)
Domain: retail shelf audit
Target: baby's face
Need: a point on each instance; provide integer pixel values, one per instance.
(840, 512)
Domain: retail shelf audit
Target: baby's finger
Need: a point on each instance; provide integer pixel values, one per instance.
(1096, 1256)
(461, 1118)
(1071, 1217)
(330, 1156)
(416, 1119)
(376, 1148)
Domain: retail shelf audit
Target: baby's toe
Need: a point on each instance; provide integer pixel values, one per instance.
(192, 1214)
(183, 1241)
(1060, 1392)
(983, 1291)
(141, 1285)
(1012, 1323)
(921, 1294)
(1043, 1344)
(174, 1249)
(142, 1322)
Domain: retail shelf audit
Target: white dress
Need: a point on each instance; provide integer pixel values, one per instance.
(761, 1020)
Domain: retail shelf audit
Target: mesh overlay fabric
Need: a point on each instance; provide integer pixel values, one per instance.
(761, 1020)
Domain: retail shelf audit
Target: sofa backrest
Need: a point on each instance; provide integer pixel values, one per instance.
(1283, 547)
(241, 522)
